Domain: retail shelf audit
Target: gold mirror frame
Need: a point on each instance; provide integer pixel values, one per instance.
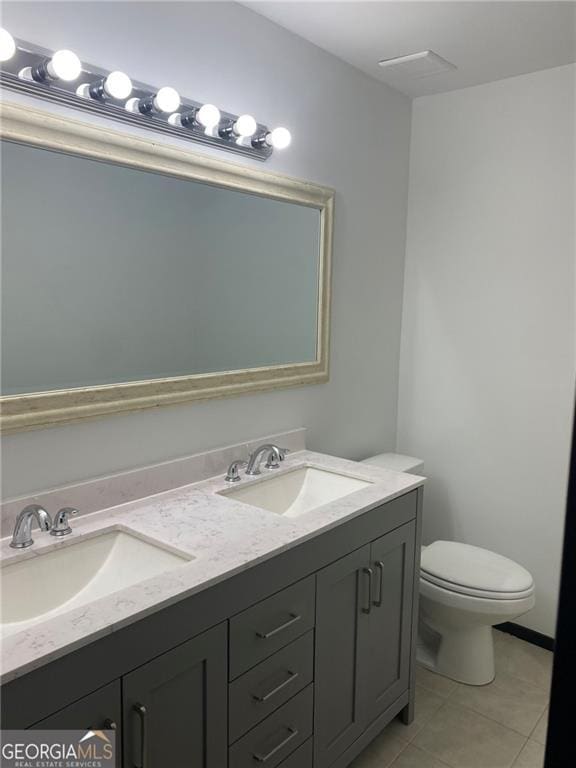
(40, 409)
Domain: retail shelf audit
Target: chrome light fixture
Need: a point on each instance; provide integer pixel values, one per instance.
(167, 100)
(7, 45)
(116, 86)
(63, 65)
(241, 128)
(206, 118)
(279, 138)
(38, 72)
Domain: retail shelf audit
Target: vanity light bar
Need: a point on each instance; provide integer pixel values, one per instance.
(60, 77)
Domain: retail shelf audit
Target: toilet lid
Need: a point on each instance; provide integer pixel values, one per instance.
(468, 569)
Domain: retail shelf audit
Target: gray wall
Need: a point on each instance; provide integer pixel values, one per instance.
(349, 132)
(487, 373)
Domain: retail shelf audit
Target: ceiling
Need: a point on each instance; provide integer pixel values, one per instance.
(485, 40)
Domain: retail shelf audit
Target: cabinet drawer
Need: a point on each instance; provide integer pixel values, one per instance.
(263, 629)
(302, 758)
(257, 693)
(277, 736)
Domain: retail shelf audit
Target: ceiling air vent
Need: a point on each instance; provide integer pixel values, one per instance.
(417, 65)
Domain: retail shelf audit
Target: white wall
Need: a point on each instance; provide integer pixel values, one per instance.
(486, 382)
(350, 132)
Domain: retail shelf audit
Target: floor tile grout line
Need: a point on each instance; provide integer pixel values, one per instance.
(478, 714)
(406, 745)
(515, 760)
(546, 708)
(426, 752)
(508, 727)
(543, 688)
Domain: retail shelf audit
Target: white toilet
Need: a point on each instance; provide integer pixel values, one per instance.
(464, 591)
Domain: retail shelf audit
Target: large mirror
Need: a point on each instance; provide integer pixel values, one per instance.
(135, 275)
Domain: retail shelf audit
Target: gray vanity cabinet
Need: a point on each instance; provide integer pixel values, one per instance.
(385, 667)
(175, 707)
(341, 637)
(298, 661)
(363, 624)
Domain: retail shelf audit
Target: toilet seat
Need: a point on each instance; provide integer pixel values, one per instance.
(467, 570)
(460, 589)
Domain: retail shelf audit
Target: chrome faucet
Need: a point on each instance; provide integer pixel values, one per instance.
(233, 476)
(22, 536)
(61, 526)
(274, 456)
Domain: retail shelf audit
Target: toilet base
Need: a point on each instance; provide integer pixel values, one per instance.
(465, 655)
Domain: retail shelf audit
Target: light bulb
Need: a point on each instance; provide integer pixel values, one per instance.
(279, 138)
(245, 126)
(7, 45)
(167, 100)
(208, 115)
(118, 85)
(64, 65)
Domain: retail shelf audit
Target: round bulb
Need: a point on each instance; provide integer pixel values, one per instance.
(245, 126)
(167, 100)
(208, 116)
(280, 138)
(118, 85)
(64, 65)
(7, 45)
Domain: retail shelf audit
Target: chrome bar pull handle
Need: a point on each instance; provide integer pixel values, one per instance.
(292, 733)
(368, 606)
(294, 617)
(380, 565)
(261, 699)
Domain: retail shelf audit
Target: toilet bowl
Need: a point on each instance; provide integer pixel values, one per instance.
(464, 591)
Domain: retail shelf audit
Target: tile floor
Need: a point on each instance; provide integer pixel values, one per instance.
(501, 725)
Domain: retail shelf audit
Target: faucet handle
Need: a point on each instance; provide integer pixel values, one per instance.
(61, 526)
(276, 454)
(232, 476)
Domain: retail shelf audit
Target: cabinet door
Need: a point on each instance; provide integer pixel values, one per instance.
(385, 666)
(175, 711)
(101, 710)
(341, 622)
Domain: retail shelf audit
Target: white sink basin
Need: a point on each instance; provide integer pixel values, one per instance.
(298, 491)
(37, 588)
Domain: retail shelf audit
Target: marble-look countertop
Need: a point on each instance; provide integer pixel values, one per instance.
(224, 537)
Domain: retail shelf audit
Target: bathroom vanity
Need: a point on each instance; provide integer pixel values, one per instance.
(280, 635)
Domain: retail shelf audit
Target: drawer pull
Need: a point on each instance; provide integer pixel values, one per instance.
(368, 606)
(380, 566)
(294, 617)
(142, 713)
(291, 677)
(292, 733)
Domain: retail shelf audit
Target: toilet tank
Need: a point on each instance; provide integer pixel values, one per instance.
(397, 462)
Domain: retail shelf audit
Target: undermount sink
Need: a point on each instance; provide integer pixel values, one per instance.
(39, 587)
(298, 491)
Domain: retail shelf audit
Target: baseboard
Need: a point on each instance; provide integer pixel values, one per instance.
(529, 635)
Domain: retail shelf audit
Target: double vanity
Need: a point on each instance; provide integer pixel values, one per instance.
(270, 620)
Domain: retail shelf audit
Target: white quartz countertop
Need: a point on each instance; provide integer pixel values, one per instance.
(224, 536)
